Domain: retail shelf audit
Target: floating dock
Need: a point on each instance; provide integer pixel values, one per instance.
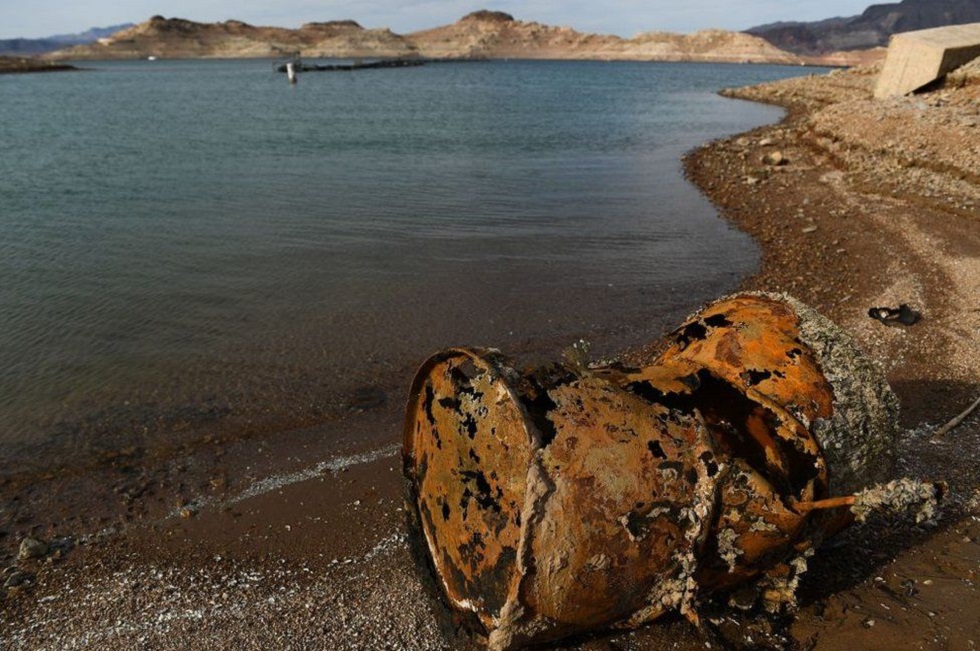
(372, 65)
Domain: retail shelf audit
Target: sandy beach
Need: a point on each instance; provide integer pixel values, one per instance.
(292, 544)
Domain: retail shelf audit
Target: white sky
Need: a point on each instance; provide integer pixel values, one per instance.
(624, 17)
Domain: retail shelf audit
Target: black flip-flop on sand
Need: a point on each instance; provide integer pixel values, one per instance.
(902, 316)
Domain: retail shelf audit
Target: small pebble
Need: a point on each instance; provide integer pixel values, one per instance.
(17, 579)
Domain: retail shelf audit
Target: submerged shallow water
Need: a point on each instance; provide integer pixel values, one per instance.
(190, 245)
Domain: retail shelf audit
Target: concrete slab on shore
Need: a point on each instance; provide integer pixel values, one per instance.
(916, 59)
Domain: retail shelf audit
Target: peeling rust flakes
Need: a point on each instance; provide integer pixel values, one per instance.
(759, 346)
(754, 524)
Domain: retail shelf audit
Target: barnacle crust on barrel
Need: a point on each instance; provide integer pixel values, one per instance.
(569, 499)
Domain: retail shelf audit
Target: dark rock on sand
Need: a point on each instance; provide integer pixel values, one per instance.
(368, 397)
(17, 579)
(32, 548)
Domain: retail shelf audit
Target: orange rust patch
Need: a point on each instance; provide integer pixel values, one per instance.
(630, 477)
(752, 345)
(754, 528)
(754, 342)
(469, 450)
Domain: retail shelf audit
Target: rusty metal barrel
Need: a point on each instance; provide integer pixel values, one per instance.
(559, 501)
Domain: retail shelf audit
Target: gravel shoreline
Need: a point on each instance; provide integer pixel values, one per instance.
(865, 205)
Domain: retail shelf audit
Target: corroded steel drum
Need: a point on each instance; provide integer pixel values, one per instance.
(562, 500)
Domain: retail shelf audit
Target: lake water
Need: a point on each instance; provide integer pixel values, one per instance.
(195, 245)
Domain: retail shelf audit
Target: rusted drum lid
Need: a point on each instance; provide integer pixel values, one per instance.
(467, 449)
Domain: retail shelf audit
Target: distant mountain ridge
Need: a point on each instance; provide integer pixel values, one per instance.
(180, 38)
(89, 35)
(481, 34)
(33, 46)
(870, 29)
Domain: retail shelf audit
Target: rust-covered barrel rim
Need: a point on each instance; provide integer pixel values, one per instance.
(418, 382)
(495, 362)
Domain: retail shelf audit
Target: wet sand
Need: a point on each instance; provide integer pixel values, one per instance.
(286, 543)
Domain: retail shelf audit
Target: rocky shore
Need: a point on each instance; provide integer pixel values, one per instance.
(11, 65)
(856, 204)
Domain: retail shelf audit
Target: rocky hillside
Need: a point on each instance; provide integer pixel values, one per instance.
(870, 29)
(496, 35)
(482, 34)
(174, 38)
(707, 45)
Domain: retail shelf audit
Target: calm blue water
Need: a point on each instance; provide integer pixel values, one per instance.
(185, 244)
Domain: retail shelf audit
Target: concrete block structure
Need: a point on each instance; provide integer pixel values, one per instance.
(916, 59)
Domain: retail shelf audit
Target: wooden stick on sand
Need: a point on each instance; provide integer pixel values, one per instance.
(953, 424)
